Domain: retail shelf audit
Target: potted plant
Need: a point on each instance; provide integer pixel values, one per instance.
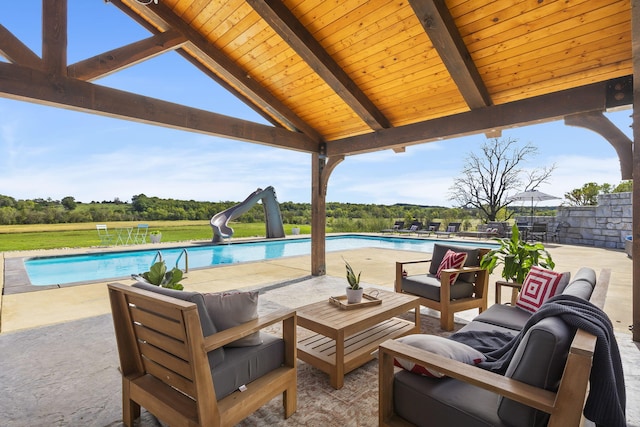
(517, 257)
(155, 236)
(159, 276)
(354, 291)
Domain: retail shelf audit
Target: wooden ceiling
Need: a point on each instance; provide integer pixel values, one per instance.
(355, 75)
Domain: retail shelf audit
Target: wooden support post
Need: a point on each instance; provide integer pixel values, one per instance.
(320, 171)
(635, 43)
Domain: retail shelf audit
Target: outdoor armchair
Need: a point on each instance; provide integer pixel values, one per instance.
(468, 290)
(174, 363)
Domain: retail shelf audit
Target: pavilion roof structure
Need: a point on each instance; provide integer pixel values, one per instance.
(343, 77)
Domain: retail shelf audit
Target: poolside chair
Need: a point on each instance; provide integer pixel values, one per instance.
(431, 228)
(141, 234)
(538, 232)
(396, 226)
(106, 239)
(468, 289)
(176, 364)
(413, 228)
(452, 228)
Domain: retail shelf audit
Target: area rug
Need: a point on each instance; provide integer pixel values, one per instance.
(67, 374)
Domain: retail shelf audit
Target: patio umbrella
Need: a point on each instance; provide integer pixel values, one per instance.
(533, 196)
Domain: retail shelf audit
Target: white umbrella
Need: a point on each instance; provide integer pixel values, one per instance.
(533, 196)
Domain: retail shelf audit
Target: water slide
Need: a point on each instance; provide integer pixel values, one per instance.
(273, 217)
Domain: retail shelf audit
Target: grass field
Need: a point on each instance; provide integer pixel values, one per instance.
(83, 235)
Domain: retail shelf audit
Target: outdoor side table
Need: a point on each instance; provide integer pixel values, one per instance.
(515, 288)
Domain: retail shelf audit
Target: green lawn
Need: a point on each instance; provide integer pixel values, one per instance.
(83, 235)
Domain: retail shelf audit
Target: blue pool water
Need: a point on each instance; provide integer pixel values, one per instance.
(58, 270)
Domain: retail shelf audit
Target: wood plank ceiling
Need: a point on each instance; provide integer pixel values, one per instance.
(342, 72)
(350, 75)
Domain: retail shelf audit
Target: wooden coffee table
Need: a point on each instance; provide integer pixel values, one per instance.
(346, 339)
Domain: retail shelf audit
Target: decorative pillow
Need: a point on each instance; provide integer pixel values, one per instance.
(452, 260)
(229, 309)
(438, 345)
(539, 285)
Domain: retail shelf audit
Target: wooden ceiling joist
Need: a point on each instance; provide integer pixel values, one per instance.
(275, 13)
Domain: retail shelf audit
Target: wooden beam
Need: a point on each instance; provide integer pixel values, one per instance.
(276, 14)
(117, 59)
(54, 36)
(519, 113)
(635, 45)
(443, 33)
(597, 122)
(21, 83)
(16, 51)
(227, 69)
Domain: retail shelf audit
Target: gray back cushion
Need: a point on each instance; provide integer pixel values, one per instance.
(438, 253)
(208, 328)
(582, 284)
(539, 360)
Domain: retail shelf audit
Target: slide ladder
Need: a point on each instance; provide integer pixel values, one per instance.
(273, 217)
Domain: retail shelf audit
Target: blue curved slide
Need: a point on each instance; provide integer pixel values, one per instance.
(273, 217)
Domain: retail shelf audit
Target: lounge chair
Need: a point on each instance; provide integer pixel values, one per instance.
(396, 226)
(452, 228)
(431, 228)
(413, 228)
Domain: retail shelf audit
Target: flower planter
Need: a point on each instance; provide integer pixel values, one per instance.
(155, 238)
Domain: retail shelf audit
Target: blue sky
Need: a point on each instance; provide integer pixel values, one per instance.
(48, 152)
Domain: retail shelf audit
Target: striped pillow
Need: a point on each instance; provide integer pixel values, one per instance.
(451, 259)
(539, 285)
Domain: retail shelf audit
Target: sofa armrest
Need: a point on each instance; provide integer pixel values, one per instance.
(288, 317)
(565, 405)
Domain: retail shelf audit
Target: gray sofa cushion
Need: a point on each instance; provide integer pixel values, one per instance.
(506, 316)
(439, 250)
(539, 360)
(582, 284)
(244, 364)
(208, 328)
(428, 286)
(427, 401)
(487, 327)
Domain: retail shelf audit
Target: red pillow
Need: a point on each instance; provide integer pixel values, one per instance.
(451, 259)
(538, 286)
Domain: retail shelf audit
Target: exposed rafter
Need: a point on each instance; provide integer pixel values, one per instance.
(222, 65)
(438, 23)
(276, 14)
(17, 52)
(117, 59)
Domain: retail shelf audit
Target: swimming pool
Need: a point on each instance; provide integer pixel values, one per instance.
(58, 270)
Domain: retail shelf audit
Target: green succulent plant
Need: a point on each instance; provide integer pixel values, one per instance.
(159, 276)
(354, 281)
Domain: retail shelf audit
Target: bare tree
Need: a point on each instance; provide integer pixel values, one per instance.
(489, 178)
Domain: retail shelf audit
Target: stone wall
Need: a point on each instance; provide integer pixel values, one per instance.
(605, 225)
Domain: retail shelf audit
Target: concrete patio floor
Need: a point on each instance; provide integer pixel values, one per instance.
(28, 310)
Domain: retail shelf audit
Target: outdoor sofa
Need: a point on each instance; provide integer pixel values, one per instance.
(547, 374)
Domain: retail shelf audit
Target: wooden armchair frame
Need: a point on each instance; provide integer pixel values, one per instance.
(164, 364)
(565, 406)
(446, 306)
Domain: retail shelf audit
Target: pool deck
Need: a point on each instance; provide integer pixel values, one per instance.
(22, 311)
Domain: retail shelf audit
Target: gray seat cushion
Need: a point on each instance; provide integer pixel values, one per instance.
(208, 328)
(244, 364)
(426, 401)
(428, 286)
(487, 327)
(507, 316)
